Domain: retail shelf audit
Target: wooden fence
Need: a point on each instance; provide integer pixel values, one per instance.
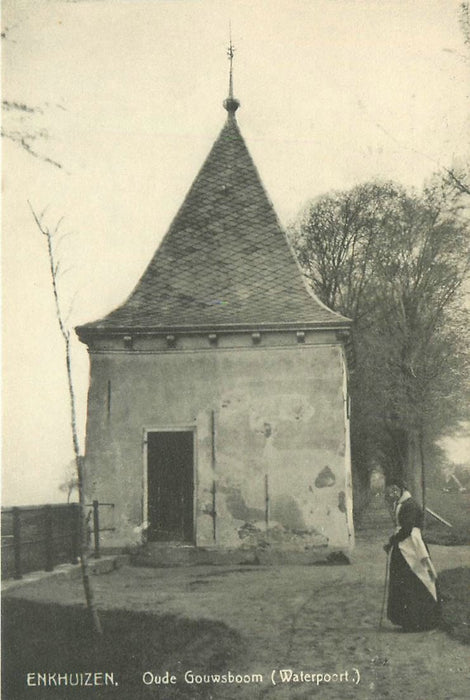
(40, 537)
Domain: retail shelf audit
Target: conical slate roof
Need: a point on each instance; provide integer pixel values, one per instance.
(225, 261)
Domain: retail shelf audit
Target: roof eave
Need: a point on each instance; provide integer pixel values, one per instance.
(89, 330)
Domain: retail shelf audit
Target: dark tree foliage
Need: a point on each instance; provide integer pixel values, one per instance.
(394, 262)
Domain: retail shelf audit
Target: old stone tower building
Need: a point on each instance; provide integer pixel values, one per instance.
(218, 406)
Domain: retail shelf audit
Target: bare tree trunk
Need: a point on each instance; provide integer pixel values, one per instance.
(87, 586)
(79, 461)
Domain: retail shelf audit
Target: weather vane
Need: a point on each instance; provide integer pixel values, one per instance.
(230, 55)
(231, 104)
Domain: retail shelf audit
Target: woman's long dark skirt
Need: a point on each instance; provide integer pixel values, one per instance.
(410, 604)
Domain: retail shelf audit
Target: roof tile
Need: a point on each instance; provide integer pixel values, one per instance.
(225, 259)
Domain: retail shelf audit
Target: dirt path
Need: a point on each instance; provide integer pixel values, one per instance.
(317, 619)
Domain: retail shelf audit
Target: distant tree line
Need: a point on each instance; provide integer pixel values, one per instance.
(396, 262)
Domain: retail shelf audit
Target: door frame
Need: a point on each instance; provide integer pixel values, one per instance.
(167, 429)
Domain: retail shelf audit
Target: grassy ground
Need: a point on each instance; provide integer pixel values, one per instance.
(453, 507)
(245, 620)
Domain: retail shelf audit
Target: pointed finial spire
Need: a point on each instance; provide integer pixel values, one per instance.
(231, 104)
(230, 55)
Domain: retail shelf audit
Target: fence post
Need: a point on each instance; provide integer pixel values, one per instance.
(48, 538)
(75, 535)
(17, 542)
(96, 528)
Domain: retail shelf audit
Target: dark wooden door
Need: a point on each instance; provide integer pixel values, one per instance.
(170, 474)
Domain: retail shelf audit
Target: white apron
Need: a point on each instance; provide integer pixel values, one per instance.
(416, 555)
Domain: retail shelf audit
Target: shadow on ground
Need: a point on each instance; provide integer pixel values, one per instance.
(40, 637)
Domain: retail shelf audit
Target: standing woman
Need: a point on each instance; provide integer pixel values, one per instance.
(413, 600)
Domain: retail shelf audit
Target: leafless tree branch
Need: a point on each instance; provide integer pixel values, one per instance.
(23, 140)
(458, 181)
(79, 461)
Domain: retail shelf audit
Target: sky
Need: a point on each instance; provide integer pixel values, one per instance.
(127, 99)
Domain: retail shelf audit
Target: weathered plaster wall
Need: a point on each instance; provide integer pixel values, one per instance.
(277, 416)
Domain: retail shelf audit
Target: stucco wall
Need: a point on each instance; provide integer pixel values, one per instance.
(270, 433)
